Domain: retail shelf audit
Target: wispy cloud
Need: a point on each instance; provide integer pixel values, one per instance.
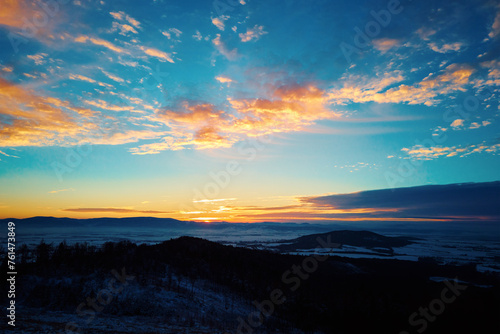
(60, 190)
(446, 47)
(420, 152)
(292, 108)
(36, 120)
(385, 44)
(122, 16)
(168, 33)
(39, 58)
(197, 36)
(223, 49)
(8, 155)
(162, 56)
(87, 79)
(100, 42)
(361, 89)
(104, 105)
(115, 210)
(112, 76)
(495, 27)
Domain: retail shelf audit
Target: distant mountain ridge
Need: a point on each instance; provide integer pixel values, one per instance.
(105, 221)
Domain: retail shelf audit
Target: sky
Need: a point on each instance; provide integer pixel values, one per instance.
(249, 110)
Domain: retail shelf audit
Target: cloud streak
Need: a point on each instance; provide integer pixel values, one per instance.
(114, 210)
(464, 201)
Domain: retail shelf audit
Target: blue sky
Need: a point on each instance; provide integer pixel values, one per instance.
(229, 110)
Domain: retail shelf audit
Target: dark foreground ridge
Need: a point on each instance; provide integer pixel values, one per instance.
(194, 285)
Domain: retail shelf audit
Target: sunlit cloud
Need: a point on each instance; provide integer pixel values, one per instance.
(361, 90)
(209, 201)
(162, 56)
(60, 190)
(87, 79)
(385, 44)
(35, 120)
(112, 76)
(104, 105)
(458, 123)
(291, 108)
(123, 28)
(8, 155)
(39, 58)
(19, 15)
(125, 137)
(114, 210)
(223, 79)
(252, 33)
(100, 42)
(495, 27)
(168, 33)
(444, 48)
(420, 152)
(122, 16)
(219, 21)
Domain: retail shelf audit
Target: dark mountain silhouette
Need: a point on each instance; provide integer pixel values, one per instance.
(105, 221)
(364, 239)
(191, 283)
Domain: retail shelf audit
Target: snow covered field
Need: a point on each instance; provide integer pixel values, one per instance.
(454, 242)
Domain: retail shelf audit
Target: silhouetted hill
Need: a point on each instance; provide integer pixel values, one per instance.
(364, 239)
(192, 282)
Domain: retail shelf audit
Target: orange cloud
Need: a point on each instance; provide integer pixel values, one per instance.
(162, 56)
(223, 79)
(362, 90)
(100, 42)
(104, 105)
(202, 126)
(385, 44)
(122, 16)
(115, 210)
(112, 76)
(219, 21)
(34, 120)
(29, 119)
(420, 152)
(28, 19)
(252, 33)
(445, 47)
